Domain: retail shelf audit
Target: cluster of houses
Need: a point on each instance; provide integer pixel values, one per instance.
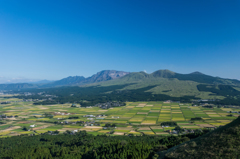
(84, 123)
(91, 117)
(233, 112)
(184, 131)
(4, 116)
(109, 105)
(60, 113)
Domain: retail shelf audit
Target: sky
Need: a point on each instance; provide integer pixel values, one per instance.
(51, 40)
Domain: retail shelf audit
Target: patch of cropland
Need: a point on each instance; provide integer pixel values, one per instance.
(136, 118)
(223, 142)
(137, 130)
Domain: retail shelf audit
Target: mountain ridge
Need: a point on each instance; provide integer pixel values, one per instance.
(116, 76)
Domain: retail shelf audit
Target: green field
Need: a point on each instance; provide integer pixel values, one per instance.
(134, 118)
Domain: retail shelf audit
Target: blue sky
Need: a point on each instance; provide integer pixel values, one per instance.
(55, 39)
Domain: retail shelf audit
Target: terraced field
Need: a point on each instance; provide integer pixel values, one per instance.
(134, 118)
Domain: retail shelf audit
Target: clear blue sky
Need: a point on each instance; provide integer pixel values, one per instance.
(42, 39)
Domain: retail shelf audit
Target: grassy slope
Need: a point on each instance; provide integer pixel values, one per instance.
(223, 142)
(169, 86)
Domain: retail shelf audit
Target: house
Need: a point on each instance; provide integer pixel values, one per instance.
(32, 126)
(174, 132)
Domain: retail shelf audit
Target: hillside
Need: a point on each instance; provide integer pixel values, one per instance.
(174, 84)
(223, 142)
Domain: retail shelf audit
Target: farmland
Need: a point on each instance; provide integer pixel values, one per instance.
(135, 118)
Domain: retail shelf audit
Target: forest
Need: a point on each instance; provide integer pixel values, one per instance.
(232, 96)
(89, 96)
(85, 146)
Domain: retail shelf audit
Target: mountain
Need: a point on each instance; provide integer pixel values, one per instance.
(16, 86)
(223, 142)
(165, 82)
(195, 76)
(194, 85)
(71, 80)
(164, 74)
(105, 75)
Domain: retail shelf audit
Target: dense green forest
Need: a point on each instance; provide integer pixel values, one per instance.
(222, 143)
(232, 96)
(86, 146)
(87, 96)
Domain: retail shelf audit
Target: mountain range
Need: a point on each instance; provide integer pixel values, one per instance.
(104, 75)
(163, 82)
(122, 77)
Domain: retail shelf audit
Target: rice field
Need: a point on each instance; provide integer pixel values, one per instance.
(145, 117)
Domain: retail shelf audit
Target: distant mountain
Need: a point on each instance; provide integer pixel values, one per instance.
(223, 142)
(164, 74)
(195, 76)
(105, 75)
(165, 82)
(196, 72)
(195, 85)
(16, 86)
(71, 80)
(134, 76)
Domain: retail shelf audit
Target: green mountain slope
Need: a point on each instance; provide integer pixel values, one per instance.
(223, 142)
(178, 85)
(159, 85)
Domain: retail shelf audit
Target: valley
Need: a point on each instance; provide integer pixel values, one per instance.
(136, 118)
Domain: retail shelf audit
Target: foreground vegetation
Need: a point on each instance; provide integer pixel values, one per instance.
(83, 145)
(220, 143)
(223, 142)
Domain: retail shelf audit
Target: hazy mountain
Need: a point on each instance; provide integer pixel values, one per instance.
(16, 86)
(104, 75)
(71, 80)
(223, 142)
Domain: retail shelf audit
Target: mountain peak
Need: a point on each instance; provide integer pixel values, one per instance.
(197, 73)
(106, 75)
(163, 73)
